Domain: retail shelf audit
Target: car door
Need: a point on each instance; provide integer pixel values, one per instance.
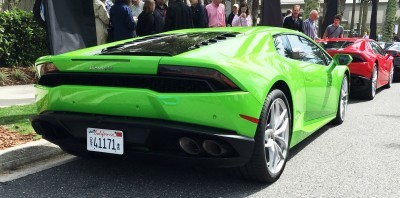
(316, 64)
(383, 63)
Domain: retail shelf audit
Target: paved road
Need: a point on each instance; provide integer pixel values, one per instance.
(360, 158)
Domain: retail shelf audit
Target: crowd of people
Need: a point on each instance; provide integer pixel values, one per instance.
(123, 19)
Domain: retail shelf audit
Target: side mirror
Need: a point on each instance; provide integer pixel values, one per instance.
(342, 59)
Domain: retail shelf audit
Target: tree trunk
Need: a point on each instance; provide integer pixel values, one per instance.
(372, 24)
(364, 16)
(389, 21)
(353, 11)
(360, 18)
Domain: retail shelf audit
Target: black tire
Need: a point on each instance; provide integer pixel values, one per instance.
(391, 74)
(339, 115)
(371, 91)
(256, 168)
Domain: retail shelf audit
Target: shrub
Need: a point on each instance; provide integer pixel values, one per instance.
(3, 78)
(19, 75)
(22, 41)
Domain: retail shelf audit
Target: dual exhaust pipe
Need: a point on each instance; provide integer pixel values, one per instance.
(211, 147)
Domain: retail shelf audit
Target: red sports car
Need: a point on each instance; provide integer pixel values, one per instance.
(371, 68)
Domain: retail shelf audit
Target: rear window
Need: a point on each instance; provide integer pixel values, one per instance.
(168, 44)
(335, 44)
(395, 47)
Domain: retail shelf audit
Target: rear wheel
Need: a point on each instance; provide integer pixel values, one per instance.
(342, 104)
(371, 91)
(272, 141)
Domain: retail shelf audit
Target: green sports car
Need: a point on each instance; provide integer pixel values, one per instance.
(224, 97)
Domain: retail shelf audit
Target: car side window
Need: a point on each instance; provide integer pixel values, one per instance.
(305, 50)
(281, 46)
(377, 49)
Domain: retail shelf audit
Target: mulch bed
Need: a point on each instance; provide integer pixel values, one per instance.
(10, 81)
(10, 139)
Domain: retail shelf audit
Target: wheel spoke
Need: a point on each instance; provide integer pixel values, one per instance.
(282, 118)
(269, 143)
(272, 153)
(282, 128)
(282, 142)
(268, 132)
(279, 152)
(276, 114)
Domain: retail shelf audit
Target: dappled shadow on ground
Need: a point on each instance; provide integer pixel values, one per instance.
(14, 119)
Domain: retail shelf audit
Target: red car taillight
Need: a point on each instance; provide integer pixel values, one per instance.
(219, 81)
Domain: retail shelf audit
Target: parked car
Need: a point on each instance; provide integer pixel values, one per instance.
(233, 97)
(394, 50)
(371, 67)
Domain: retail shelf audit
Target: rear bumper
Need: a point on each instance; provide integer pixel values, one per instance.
(149, 137)
(359, 83)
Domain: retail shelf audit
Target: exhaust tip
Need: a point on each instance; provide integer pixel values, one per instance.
(189, 145)
(213, 148)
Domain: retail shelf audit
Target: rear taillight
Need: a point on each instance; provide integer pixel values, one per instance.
(357, 58)
(44, 68)
(216, 79)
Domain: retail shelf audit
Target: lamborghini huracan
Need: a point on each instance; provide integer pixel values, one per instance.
(225, 97)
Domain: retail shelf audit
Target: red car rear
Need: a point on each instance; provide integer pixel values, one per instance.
(371, 68)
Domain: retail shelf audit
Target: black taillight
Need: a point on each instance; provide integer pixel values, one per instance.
(217, 80)
(357, 58)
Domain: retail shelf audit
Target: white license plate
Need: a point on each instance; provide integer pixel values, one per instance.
(105, 141)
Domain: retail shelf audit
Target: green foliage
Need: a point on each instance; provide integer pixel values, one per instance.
(19, 75)
(3, 78)
(22, 41)
(308, 6)
(390, 19)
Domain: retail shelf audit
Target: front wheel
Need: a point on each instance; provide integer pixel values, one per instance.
(272, 141)
(342, 103)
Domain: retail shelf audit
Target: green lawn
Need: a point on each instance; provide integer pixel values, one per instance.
(16, 118)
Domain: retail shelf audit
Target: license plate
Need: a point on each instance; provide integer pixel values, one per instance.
(105, 141)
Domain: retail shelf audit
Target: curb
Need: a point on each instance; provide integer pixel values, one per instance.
(14, 157)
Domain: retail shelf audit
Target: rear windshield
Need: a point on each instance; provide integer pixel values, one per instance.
(395, 47)
(168, 44)
(335, 44)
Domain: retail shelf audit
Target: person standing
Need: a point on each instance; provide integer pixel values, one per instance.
(145, 24)
(200, 18)
(294, 21)
(242, 18)
(216, 14)
(179, 16)
(334, 30)
(121, 17)
(137, 8)
(159, 15)
(309, 28)
(235, 11)
(102, 19)
(109, 4)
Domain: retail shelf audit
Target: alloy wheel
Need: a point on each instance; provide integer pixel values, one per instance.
(277, 136)
(344, 98)
(374, 81)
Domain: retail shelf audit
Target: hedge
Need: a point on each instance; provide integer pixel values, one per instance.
(22, 41)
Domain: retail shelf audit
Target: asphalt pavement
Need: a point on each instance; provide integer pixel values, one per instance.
(359, 158)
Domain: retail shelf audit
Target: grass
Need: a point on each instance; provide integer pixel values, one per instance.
(3, 78)
(19, 75)
(16, 118)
